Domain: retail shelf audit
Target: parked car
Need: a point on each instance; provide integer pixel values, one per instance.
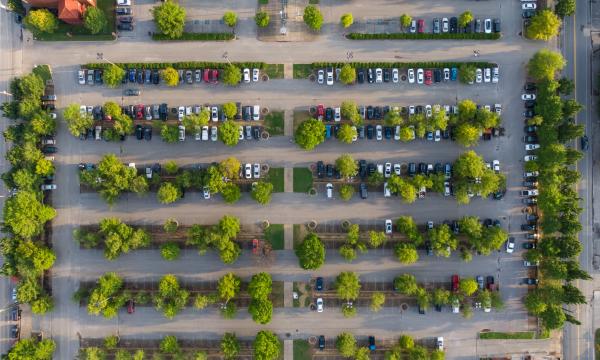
(510, 245)
(320, 305)
(388, 226)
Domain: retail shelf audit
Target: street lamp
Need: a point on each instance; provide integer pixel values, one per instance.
(100, 56)
(349, 55)
(226, 57)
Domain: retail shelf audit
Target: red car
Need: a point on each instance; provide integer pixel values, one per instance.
(139, 111)
(214, 76)
(320, 111)
(420, 26)
(428, 76)
(455, 281)
(206, 75)
(130, 306)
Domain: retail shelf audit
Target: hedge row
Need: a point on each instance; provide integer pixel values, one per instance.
(178, 65)
(401, 65)
(422, 36)
(196, 37)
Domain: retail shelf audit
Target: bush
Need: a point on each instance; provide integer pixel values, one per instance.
(346, 192)
(169, 18)
(169, 345)
(179, 65)
(262, 19)
(423, 36)
(94, 19)
(230, 18)
(41, 21)
(185, 36)
(313, 17)
(170, 251)
(347, 20)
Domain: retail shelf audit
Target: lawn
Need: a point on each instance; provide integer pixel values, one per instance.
(303, 180)
(597, 343)
(275, 71)
(275, 177)
(79, 33)
(299, 117)
(274, 235)
(43, 71)
(277, 294)
(274, 123)
(302, 71)
(528, 335)
(302, 350)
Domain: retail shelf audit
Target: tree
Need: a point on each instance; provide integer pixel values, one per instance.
(346, 191)
(195, 121)
(377, 238)
(261, 192)
(466, 73)
(346, 20)
(41, 21)
(228, 133)
(346, 165)
(94, 20)
(465, 18)
(566, 85)
(120, 238)
(553, 317)
(347, 285)
(406, 253)
(231, 75)
(346, 344)
(262, 19)
(228, 286)
(123, 124)
(571, 107)
(170, 76)
(544, 25)
(32, 349)
(230, 346)
(565, 8)
(349, 109)
(230, 18)
(76, 121)
(377, 301)
(348, 74)
(107, 296)
(169, 18)
(113, 74)
(266, 346)
(466, 134)
(440, 297)
(310, 133)
(231, 193)
(313, 17)
(24, 179)
(405, 21)
(25, 215)
(311, 252)
(572, 295)
(437, 355)
(467, 286)
(230, 110)
(168, 193)
(42, 124)
(406, 284)
(442, 240)
(545, 63)
(171, 299)
(169, 345)
(170, 251)
(406, 342)
(260, 286)
(347, 133)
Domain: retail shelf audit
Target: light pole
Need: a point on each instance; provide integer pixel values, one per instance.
(100, 56)
(349, 55)
(226, 57)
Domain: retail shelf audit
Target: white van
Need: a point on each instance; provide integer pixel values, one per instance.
(330, 191)
(256, 113)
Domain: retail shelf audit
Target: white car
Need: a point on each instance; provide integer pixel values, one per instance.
(411, 109)
(83, 110)
(255, 74)
(354, 133)
(420, 76)
(446, 188)
(149, 173)
(248, 171)
(428, 112)
(437, 135)
(531, 174)
(197, 135)
(478, 76)
(440, 343)
(181, 133)
(13, 294)
(256, 112)
(378, 75)
(495, 75)
(46, 187)
(411, 76)
(256, 171)
(214, 133)
(214, 113)
(52, 115)
(445, 25)
(330, 76)
(530, 158)
(320, 305)
(525, 97)
(430, 225)
(337, 114)
(388, 226)
(180, 113)
(529, 147)
(205, 133)
(498, 109)
(241, 132)
(388, 170)
(124, 2)
(455, 306)
(446, 74)
(397, 133)
(529, 6)
(487, 75)
(487, 26)
(206, 192)
(395, 77)
(81, 77)
(246, 75)
(379, 131)
(496, 165)
(510, 245)
(321, 77)
(397, 169)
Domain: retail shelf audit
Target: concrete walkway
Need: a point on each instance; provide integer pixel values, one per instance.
(288, 288)
(288, 123)
(288, 349)
(288, 236)
(288, 179)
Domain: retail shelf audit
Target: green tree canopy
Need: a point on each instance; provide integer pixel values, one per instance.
(311, 252)
(231, 75)
(406, 284)
(347, 285)
(25, 215)
(171, 299)
(113, 74)
(230, 18)
(346, 344)
(94, 20)
(41, 21)
(170, 76)
(544, 64)
(262, 19)
(228, 133)
(465, 18)
(313, 17)
(77, 122)
(230, 346)
(405, 20)
(32, 349)
(310, 133)
(261, 192)
(169, 18)
(168, 193)
(565, 8)
(544, 25)
(266, 346)
(346, 20)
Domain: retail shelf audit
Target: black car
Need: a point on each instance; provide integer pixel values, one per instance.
(328, 114)
(370, 131)
(370, 112)
(256, 132)
(319, 284)
(468, 28)
(361, 132)
(15, 314)
(377, 115)
(421, 310)
(453, 25)
(148, 76)
(530, 139)
(584, 142)
(155, 77)
(530, 129)
(126, 19)
(527, 14)
(360, 75)
(412, 169)
(123, 11)
(131, 92)
(496, 25)
(320, 169)
(362, 168)
(387, 132)
(329, 170)
(455, 227)
(437, 75)
(363, 191)
(163, 110)
(528, 227)
(386, 74)
(530, 281)
(125, 27)
(49, 149)
(148, 133)
(97, 77)
(438, 307)
(422, 168)
(529, 113)
(529, 86)
(370, 76)
(14, 331)
(139, 133)
(321, 342)
(139, 76)
(438, 168)
(371, 168)
(529, 104)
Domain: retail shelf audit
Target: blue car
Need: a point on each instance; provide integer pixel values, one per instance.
(430, 135)
(132, 75)
(453, 74)
(327, 131)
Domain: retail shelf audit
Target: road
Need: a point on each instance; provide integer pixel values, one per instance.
(576, 48)
(73, 264)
